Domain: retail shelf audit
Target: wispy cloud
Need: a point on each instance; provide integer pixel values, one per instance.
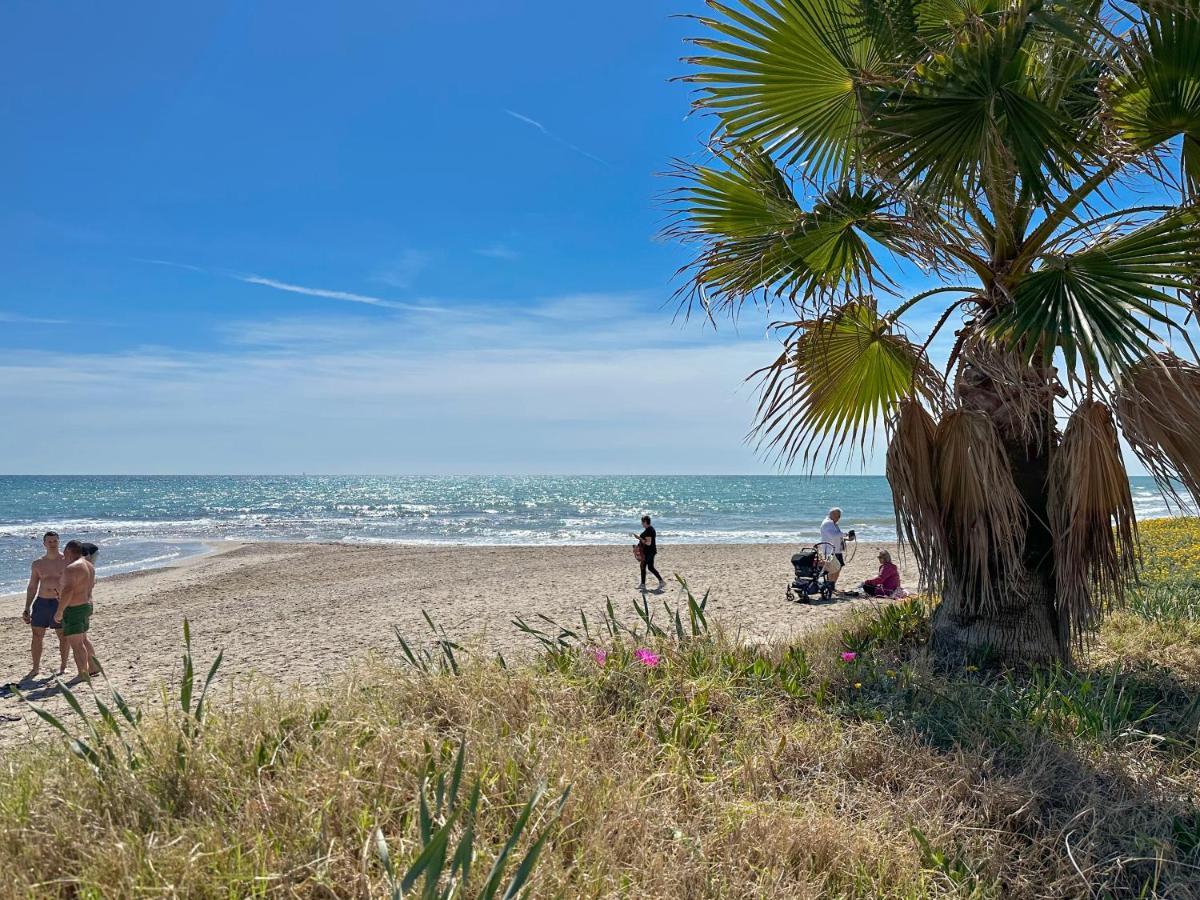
(16, 319)
(170, 264)
(345, 296)
(499, 251)
(534, 123)
(402, 271)
(305, 290)
(388, 400)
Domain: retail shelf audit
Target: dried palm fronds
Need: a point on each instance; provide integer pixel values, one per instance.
(1091, 512)
(1019, 397)
(1158, 405)
(911, 472)
(983, 516)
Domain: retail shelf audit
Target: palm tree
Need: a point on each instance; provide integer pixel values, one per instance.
(1006, 148)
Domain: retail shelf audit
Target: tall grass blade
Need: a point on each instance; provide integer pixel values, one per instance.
(385, 858)
(492, 885)
(428, 862)
(212, 673)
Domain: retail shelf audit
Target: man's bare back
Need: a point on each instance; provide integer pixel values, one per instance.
(75, 586)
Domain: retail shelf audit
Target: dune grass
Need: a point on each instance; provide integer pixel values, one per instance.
(842, 765)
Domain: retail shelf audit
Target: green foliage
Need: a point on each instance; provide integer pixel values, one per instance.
(1166, 603)
(987, 143)
(114, 742)
(442, 815)
(423, 659)
(1099, 304)
(958, 873)
(1157, 97)
(838, 378)
(896, 626)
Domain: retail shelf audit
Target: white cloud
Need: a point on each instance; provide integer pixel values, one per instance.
(17, 319)
(480, 389)
(499, 251)
(345, 296)
(305, 290)
(534, 123)
(402, 271)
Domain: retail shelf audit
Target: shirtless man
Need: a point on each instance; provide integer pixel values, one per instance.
(75, 605)
(41, 602)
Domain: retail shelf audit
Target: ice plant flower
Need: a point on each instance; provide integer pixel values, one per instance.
(849, 657)
(600, 655)
(647, 657)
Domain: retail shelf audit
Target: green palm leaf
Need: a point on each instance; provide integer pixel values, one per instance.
(757, 238)
(971, 115)
(790, 75)
(940, 21)
(838, 376)
(1158, 97)
(1096, 305)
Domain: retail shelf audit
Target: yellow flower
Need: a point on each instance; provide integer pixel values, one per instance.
(858, 685)
(972, 668)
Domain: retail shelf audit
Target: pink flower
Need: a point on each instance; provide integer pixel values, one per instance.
(599, 654)
(647, 657)
(849, 657)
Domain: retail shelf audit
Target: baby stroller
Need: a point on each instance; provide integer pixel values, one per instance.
(810, 579)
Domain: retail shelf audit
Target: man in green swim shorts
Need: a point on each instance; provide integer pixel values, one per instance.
(75, 605)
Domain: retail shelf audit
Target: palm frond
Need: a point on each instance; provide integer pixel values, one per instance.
(836, 379)
(1157, 97)
(756, 238)
(1158, 406)
(1095, 305)
(791, 75)
(983, 516)
(972, 114)
(941, 22)
(912, 475)
(1092, 517)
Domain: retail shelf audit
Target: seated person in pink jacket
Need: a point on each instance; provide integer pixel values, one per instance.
(888, 581)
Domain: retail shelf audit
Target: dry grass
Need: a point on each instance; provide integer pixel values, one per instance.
(723, 771)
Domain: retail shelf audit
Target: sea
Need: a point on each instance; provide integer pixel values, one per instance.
(143, 522)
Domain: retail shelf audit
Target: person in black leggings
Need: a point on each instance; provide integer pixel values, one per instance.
(649, 539)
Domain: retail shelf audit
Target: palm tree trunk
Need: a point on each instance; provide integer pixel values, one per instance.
(1025, 627)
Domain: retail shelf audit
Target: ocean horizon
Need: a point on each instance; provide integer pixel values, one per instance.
(145, 521)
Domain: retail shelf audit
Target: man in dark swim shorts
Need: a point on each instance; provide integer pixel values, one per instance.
(41, 603)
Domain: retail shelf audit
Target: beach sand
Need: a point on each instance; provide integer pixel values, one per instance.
(299, 613)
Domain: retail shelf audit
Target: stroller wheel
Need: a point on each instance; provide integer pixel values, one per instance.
(789, 595)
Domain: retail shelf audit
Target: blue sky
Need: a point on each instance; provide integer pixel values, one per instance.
(377, 237)
(372, 237)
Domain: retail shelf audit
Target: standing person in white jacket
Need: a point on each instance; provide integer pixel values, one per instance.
(832, 535)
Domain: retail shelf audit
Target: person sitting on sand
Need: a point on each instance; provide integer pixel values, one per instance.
(649, 539)
(41, 602)
(75, 607)
(887, 582)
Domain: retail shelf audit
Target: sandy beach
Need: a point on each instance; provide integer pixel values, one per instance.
(300, 613)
